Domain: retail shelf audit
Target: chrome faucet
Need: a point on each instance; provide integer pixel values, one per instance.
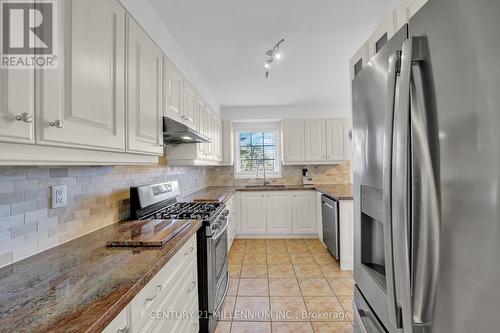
(264, 168)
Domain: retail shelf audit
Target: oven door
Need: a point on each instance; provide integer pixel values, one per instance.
(217, 268)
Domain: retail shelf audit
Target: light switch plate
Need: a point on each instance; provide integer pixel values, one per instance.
(58, 197)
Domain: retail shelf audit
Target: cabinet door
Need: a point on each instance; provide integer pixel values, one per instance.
(348, 138)
(200, 124)
(279, 213)
(188, 115)
(293, 141)
(304, 214)
(227, 142)
(253, 213)
(315, 140)
(17, 94)
(82, 102)
(346, 234)
(335, 140)
(208, 132)
(145, 132)
(120, 323)
(173, 85)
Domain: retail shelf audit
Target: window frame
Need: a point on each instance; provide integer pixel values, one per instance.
(259, 128)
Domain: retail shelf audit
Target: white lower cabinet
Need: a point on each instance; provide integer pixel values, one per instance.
(232, 205)
(169, 302)
(253, 213)
(304, 214)
(346, 221)
(278, 213)
(121, 323)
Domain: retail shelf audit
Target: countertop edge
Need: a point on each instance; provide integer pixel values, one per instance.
(103, 321)
(228, 191)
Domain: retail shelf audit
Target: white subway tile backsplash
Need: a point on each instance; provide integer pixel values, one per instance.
(6, 186)
(97, 196)
(24, 206)
(36, 215)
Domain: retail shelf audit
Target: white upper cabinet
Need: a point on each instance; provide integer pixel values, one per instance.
(188, 114)
(82, 103)
(304, 212)
(315, 141)
(173, 85)
(17, 98)
(279, 212)
(293, 141)
(144, 91)
(17, 114)
(335, 140)
(227, 142)
(348, 138)
(253, 213)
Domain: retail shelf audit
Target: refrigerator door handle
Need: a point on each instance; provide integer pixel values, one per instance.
(400, 187)
(425, 213)
(394, 309)
(417, 252)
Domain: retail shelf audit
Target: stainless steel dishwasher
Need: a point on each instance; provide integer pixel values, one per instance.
(330, 218)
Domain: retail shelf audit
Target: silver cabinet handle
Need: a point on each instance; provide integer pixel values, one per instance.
(193, 284)
(191, 249)
(155, 294)
(25, 117)
(58, 124)
(122, 330)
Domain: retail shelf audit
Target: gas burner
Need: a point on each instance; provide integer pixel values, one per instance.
(188, 211)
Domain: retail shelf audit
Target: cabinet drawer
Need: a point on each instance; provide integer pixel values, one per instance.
(162, 284)
(119, 324)
(173, 310)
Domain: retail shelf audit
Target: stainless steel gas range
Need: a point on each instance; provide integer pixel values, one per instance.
(160, 201)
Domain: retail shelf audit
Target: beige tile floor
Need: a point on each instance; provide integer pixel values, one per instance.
(286, 286)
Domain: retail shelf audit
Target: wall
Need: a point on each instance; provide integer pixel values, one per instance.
(285, 112)
(292, 175)
(146, 16)
(97, 196)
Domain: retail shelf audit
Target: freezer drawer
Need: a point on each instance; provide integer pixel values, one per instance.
(365, 320)
(330, 220)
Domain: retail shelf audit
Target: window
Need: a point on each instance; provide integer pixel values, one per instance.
(256, 150)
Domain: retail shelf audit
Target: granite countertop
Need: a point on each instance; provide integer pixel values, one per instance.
(81, 285)
(222, 193)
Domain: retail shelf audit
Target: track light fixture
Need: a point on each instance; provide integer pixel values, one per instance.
(272, 54)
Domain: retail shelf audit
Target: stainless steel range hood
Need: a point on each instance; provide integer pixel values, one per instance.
(177, 133)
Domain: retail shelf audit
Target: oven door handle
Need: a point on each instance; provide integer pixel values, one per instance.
(216, 311)
(221, 232)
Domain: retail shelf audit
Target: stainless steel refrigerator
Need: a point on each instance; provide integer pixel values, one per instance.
(426, 145)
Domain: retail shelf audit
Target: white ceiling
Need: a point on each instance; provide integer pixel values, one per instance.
(226, 41)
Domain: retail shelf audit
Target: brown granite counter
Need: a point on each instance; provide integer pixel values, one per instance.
(336, 191)
(222, 193)
(212, 193)
(81, 285)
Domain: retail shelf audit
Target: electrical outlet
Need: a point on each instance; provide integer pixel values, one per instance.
(58, 196)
